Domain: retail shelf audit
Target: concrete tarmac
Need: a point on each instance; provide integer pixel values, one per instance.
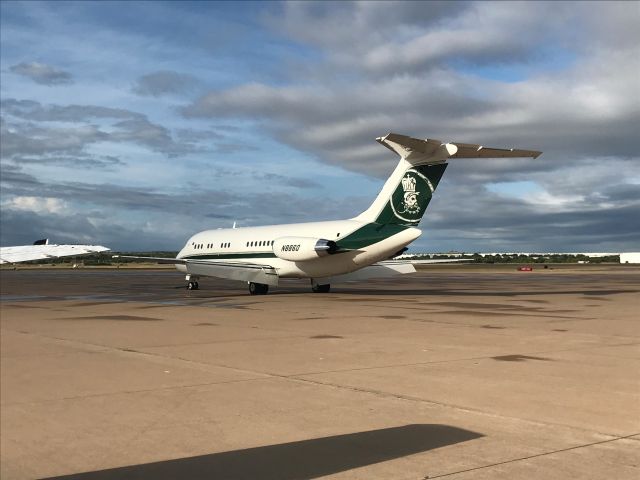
(456, 373)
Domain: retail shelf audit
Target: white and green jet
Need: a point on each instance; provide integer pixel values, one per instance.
(325, 252)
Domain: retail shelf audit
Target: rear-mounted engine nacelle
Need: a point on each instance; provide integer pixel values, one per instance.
(298, 249)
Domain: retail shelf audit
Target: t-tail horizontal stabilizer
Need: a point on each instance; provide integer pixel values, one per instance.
(417, 151)
(407, 193)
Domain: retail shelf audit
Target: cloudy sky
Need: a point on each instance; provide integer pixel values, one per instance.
(134, 125)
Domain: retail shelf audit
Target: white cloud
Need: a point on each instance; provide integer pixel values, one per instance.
(37, 204)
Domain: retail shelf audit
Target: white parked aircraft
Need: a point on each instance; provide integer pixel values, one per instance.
(334, 251)
(41, 250)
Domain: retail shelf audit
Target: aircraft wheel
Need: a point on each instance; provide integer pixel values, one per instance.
(258, 288)
(193, 286)
(321, 288)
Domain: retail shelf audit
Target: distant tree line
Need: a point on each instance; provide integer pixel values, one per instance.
(520, 258)
(105, 259)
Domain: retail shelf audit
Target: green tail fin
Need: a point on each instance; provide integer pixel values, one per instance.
(412, 195)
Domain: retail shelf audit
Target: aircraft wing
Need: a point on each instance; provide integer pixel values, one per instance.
(440, 260)
(388, 268)
(243, 271)
(161, 260)
(26, 253)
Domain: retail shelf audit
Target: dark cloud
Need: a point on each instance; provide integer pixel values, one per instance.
(103, 162)
(30, 128)
(37, 112)
(391, 38)
(22, 227)
(196, 136)
(164, 82)
(27, 139)
(154, 219)
(296, 182)
(226, 148)
(42, 74)
(13, 175)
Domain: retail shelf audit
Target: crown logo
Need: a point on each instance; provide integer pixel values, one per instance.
(409, 184)
(409, 203)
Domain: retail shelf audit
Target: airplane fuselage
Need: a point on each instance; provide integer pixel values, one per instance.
(361, 244)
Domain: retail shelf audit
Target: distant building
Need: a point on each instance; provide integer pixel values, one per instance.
(630, 257)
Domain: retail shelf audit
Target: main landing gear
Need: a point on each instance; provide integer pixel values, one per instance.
(193, 283)
(258, 288)
(317, 288)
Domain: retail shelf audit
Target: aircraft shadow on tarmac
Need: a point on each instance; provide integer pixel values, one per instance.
(304, 459)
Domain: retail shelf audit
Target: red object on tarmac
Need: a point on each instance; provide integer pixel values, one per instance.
(525, 269)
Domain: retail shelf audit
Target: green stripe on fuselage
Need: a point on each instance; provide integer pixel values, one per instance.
(229, 256)
(368, 235)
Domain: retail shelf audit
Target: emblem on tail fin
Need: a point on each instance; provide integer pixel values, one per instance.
(411, 196)
(410, 203)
